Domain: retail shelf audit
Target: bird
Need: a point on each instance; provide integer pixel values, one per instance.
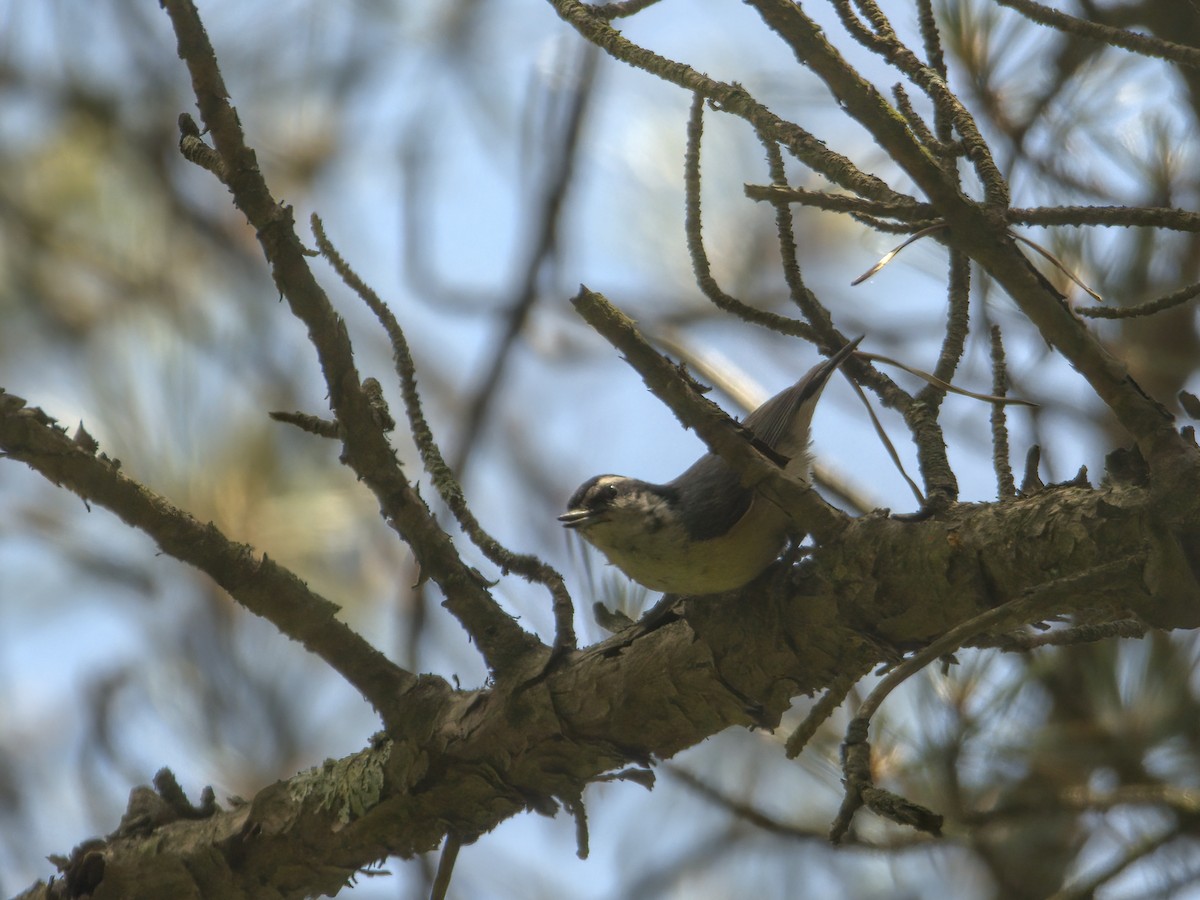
(704, 532)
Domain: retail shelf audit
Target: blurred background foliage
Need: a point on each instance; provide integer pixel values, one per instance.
(475, 163)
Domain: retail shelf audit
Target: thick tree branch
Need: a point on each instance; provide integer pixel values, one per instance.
(476, 758)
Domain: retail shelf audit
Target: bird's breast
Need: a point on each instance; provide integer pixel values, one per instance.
(662, 557)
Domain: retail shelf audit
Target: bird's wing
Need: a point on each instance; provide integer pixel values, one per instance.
(775, 421)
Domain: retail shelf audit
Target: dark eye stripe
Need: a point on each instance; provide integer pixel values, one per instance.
(601, 497)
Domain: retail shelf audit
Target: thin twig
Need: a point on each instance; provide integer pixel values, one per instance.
(833, 697)
(948, 150)
(1108, 216)
(909, 212)
(1149, 308)
(773, 825)
(526, 565)
(806, 300)
(1106, 34)
(935, 58)
(326, 428)
(692, 227)
(575, 806)
(1006, 488)
(1035, 603)
(1064, 637)
(445, 869)
(954, 339)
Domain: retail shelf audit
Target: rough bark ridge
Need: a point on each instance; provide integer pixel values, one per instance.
(463, 761)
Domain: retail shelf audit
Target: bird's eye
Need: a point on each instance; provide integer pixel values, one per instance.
(602, 495)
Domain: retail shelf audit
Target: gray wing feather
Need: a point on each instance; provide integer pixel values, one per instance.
(774, 423)
(711, 492)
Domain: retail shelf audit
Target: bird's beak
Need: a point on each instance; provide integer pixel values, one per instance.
(573, 518)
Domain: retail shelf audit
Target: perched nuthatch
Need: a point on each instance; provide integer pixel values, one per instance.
(703, 533)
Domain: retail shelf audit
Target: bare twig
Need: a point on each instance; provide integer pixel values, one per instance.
(326, 428)
(366, 450)
(954, 340)
(813, 309)
(692, 227)
(1109, 216)
(909, 212)
(773, 825)
(833, 697)
(1149, 308)
(448, 487)
(1106, 34)
(1035, 603)
(1063, 637)
(1006, 488)
(574, 805)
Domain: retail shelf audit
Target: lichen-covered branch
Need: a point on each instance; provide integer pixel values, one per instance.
(256, 582)
(474, 758)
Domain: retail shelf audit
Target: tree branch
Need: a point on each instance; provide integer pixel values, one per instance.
(528, 566)
(731, 98)
(257, 583)
(980, 231)
(499, 639)
(469, 760)
(1116, 37)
